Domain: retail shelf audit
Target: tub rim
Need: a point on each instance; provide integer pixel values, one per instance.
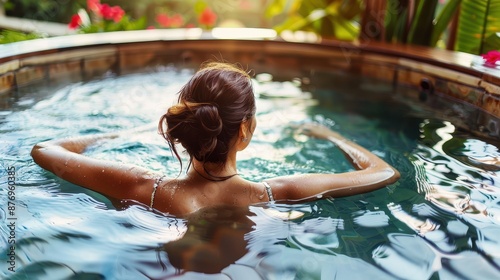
(465, 69)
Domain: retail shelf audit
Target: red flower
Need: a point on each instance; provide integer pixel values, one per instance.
(491, 57)
(163, 20)
(115, 13)
(94, 6)
(75, 22)
(207, 17)
(175, 21)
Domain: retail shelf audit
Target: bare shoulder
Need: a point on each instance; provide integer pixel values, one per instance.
(283, 187)
(171, 195)
(147, 183)
(240, 192)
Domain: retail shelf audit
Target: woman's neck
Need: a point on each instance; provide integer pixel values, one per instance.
(213, 171)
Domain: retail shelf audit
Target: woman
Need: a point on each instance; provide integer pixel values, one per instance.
(213, 120)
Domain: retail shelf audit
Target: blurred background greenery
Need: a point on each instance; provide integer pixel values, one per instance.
(470, 26)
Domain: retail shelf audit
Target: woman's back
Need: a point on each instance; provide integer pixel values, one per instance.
(186, 195)
(213, 120)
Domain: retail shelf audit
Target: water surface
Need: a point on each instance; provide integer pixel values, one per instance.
(441, 220)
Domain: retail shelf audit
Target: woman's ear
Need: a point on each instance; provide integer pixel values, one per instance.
(243, 136)
(243, 133)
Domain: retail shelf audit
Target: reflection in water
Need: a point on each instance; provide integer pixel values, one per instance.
(445, 134)
(480, 154)
(440, 221)
(214, 240)
(407, 253)
(73, 236)
(459, 177)
(301, 247)
(458, 184)
(421, 227)
(371, 219)
(263, 243)
(419, 259)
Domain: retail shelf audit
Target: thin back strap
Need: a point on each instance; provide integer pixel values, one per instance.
(157, 183)
(269, 191)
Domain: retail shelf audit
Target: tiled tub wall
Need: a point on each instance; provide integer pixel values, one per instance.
(58, 67)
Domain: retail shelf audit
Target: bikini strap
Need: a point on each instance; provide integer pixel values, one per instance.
(269, 191)
(155, 186)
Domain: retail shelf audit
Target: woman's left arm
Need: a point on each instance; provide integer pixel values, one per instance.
(372, 172)
(63, 158)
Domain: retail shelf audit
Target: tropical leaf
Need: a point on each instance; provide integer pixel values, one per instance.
(491, 40)
(400, 31)
(10, 36)
(491, 43)
(478, 21)
(349, 9)
(391, 19)
(422, 24)
(345, 29)
(295, 22)
(275, 8)
(396, 18)
(325, 17)
(279, 7)
(443, 20)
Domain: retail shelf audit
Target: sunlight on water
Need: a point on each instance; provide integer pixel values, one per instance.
(440, 221)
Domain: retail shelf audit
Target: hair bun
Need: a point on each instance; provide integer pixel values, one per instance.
(209, 119)
(210, 109)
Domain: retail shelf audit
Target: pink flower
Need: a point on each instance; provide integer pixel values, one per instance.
(491, 57)
(75, 22)
(115, 13)
(207, 17)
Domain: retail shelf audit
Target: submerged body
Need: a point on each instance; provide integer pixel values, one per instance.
(213, 121)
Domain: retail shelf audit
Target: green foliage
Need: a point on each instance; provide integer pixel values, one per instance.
(421, 25)
(443, 20)
(478, 26)
(395, 21)
(44, 10)
(426, 28)
(8, 5)
(328, 18)
(478, 23)
(9, 36)
(125, 24)
(199, 6)
(491, 42)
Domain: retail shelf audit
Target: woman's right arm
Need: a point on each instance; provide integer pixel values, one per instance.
(64, 158)
(372, 172)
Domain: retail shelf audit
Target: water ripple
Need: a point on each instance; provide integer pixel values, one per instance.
(442, 221)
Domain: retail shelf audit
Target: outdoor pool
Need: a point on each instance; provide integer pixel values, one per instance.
(441, 220)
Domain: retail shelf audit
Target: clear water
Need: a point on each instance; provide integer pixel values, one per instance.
(440, 221)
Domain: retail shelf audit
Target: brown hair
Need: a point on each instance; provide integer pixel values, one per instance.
(210, 110)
